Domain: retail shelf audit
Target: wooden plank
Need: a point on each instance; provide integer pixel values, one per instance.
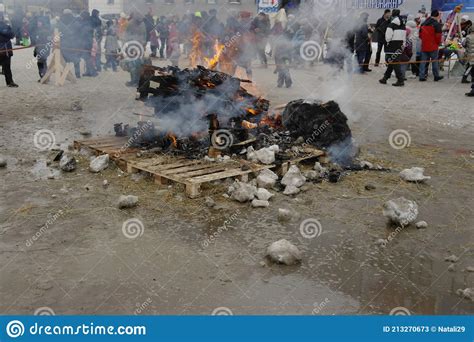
(116, 145)
(203, 172)
(151, 162)
(173, 165)
(96, 141)
(66, 70)
(181, 170)
(108, 143)
(223, 174)
(160, 180)
(246, 142)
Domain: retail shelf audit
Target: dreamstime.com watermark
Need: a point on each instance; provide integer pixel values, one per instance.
(133, 228)
(311, 228)
(311, 51)
(213, 237)
(16, 328)
(133, 50)
(44, 311)
(400, 311)
(134, 138)
(319, 307)
(222, 139)
(393, 234)
(312, 138)
(44, 139)
(399, 139)
(142, 307)
(52, 218)
(222, 311)
(43, 53)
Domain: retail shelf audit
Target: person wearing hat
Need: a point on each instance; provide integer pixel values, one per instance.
(466, 25)
(362, 45)
(260, 26)
(381, 29)
(69, 28)
(6, 51)
(396, 36)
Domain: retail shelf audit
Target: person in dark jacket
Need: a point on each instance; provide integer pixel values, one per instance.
(395, 36)
(212, 30)
(96, 23)
(69, 28)
(87, 42)
(149, 24)
(6, 53)
(260, 26)
(380, 30)
(362, 43)
(430, 35)
(41, 38)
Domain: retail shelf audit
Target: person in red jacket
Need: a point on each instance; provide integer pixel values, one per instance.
(430, 35)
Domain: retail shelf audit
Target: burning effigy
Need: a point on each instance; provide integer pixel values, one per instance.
(197, 109)
(191, 104)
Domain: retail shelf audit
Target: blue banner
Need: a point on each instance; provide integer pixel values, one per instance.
(374, 4)
(268, 6)
(237, 328)
(448, 5)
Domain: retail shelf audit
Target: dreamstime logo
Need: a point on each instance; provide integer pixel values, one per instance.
(222, 139)
(310, 51)
(133, 228)
(310, 228)
(44, 311)
(133, 50)
(44, 139)
(222, 311)
(399, 139)
(15, 329)
(400, 311)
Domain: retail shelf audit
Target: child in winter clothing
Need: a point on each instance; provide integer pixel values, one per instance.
(41, 38)
(111, 47)
(282, 53)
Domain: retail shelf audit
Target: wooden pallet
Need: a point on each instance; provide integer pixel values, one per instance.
(193, 173)
(116, 147)
(308, 154)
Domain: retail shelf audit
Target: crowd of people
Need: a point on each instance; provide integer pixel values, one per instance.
(409, 42)
(415, 43)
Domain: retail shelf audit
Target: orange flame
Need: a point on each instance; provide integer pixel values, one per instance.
(252, 111)
(272, 121)
(173, 139)
(212, 62)
(196, 54)
(249, 125)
